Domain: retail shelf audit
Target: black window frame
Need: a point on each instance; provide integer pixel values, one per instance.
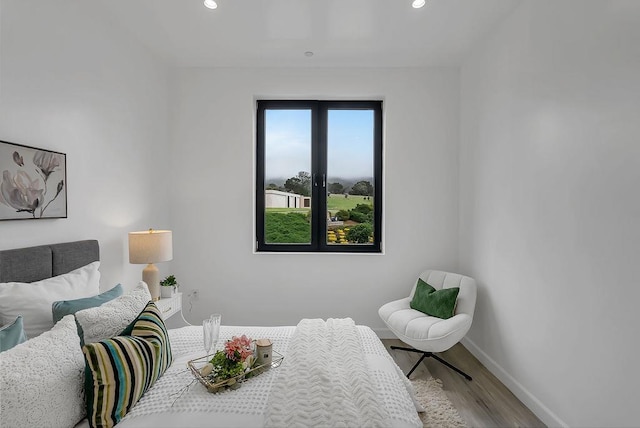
(319, 121)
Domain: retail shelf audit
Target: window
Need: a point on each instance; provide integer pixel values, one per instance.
(319, 176)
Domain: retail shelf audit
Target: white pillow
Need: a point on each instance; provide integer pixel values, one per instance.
(33, 300)
(42, 380)
(109, 319)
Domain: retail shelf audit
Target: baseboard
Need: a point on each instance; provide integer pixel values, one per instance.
(528, 399)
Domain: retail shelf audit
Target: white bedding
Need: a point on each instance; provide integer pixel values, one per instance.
(177, 401)
(325, 381)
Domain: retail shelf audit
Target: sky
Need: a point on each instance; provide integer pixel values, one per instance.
(288, 143)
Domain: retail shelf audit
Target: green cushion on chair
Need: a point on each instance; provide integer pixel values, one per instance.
(437, 303)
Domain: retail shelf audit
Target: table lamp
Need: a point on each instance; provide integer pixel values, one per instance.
(150, 247)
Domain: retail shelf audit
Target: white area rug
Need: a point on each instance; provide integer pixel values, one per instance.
(440, 412)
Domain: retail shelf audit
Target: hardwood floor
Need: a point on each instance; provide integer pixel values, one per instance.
(483, 402)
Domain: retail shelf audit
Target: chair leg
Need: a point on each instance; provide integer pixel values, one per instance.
(452, 367)
(416, 365)
(402, 348)
(427, 355)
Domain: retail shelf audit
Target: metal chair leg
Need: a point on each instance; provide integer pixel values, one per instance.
(427, 355)
(452, 367)
(416, 365)
(402, 348)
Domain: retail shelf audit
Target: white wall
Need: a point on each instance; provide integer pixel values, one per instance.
(549, 207)
(549, 162)
(212, 190)
(71, 83)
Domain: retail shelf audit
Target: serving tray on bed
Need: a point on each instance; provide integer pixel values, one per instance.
(233, 382)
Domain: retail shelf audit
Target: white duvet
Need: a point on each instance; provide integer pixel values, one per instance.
(175, 400)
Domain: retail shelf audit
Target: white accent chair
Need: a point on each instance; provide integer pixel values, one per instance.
(426, 334)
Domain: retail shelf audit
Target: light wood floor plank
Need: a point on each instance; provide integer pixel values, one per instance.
(482, 402)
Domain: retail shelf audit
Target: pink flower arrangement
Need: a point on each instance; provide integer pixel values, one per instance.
(238, 348)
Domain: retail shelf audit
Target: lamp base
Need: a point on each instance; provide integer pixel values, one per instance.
(151, 276)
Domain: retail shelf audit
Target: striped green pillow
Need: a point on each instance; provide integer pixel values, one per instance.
(119, 370)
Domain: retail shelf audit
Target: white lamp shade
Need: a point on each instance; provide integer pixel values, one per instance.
(150, 246)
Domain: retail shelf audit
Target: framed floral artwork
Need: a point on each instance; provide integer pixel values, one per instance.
(33, 184)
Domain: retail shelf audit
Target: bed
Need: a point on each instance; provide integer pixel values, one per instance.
(334, 372)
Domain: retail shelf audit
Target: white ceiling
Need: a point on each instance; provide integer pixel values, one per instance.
(275, 33)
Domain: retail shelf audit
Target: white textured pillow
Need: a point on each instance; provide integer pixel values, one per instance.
(33, 300)
(109, 319)
(42, 380)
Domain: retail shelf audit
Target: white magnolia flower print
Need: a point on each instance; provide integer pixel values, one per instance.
(24, 194)
(21, 192)
(46, 162)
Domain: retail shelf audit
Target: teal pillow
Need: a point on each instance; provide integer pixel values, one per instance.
(70, 307)
(437, 303)
(119, 370)
(12, 335)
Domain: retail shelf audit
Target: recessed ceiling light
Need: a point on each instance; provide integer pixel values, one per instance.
(308, 53)
(417, 4)
(211, 4)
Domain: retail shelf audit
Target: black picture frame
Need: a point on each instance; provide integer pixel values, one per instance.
(33, 183)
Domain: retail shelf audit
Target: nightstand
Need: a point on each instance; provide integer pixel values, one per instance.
(170, 306)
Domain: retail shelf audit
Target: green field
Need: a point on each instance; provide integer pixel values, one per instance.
(291, 225)
(336, 203)
(289, 228)
(287, 210)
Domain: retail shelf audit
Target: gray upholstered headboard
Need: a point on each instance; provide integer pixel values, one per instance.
(44, 261)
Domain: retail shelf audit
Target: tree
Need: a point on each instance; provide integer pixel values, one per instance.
(300, 184)
(363, 208)
(363, 188)
(360, 233)
(336, 188)
(359, 217)
(342, 215)
(273, 186)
